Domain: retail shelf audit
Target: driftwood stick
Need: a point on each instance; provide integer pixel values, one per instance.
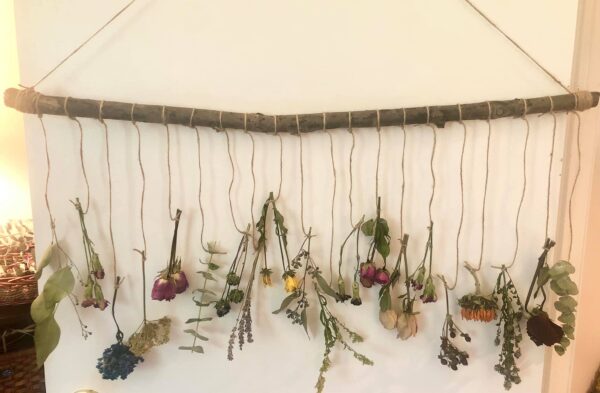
(25, 101)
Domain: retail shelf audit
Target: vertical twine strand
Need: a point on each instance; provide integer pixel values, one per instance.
(108, 166)
(550, 166)
(404, 136)
(166, 124)
(432, 167)
(524, 185)
(334, 173)
(198, 146)
(254, 240)
(462, 196)
(280, 157)
(232, 181)
(485, 187)
(301, 178)
(570, 213)
(87, 183)
(378, 157)
(143, 174)
(350, 167)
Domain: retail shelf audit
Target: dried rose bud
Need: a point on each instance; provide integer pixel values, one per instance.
(85, 303)
(163, 289)
(429, 295)
(382, 276)
(97, 269)
(366, 282)
(367, 270)
(181, 282)
(388, 319)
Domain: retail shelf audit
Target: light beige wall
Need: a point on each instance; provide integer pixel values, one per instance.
(14, 183)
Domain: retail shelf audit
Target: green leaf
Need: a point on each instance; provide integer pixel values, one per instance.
(200, 290)
(58, 286)
(304, 319)
(196, 334)
(194, 320)
(213, 266)
(565, 342)
(568, 301)
(39, 310)
(559, 350)
(567, 318)
(368, 227)
(207, 275)
(561, 269)
(46, 259)
(544, 276)
(325, 287)
(46, 337)
(566, 285)
(385, 300)
(286, 302)
(197, 349)
(383, 247)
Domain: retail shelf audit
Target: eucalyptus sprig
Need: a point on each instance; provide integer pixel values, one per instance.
(243, 323)
(508, 335)
(333, 332)
(203, 302)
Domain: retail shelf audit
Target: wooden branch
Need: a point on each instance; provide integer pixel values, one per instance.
(29, 101)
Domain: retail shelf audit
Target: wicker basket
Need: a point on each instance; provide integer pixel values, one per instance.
(17, 265)
(18, 373)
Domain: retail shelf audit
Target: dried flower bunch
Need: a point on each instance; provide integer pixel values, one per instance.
(92, 292)
(243, 323)
(231, 291)
(421, 279)
(150, 333)
(475, 306)
(16, 249)
(289, 268)
(379, 232)
(540, 328)
(202, 302)
(172, 280)
(333, 332)
(406, 325)
(387, 314)
(508, 335)
(341, 284)
(117, 361)
(450, 355)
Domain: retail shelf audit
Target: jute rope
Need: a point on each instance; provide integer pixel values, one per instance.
(87, 183)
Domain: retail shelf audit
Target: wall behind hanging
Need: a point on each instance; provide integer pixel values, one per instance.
(283, 58)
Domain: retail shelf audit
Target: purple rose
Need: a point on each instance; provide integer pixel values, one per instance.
(181, 282)
(163, 289)
(382, 276)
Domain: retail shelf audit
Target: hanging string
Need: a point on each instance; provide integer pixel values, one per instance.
(301, 178)
(142, 197)
(404, 136)
(519, 47)
(378, 157)
(232, 179)
(280, 157)
(332, 198)
(48, 170)
(431, 166)
(570, 213)
(112, 19)
(254, 240)
(87, 183)
(166, 124)
(110, 223)
(550, 166)
(198, 145)
(350, 166)
(524, 184)
(143, 173)
(462, 197)
(485, 186)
